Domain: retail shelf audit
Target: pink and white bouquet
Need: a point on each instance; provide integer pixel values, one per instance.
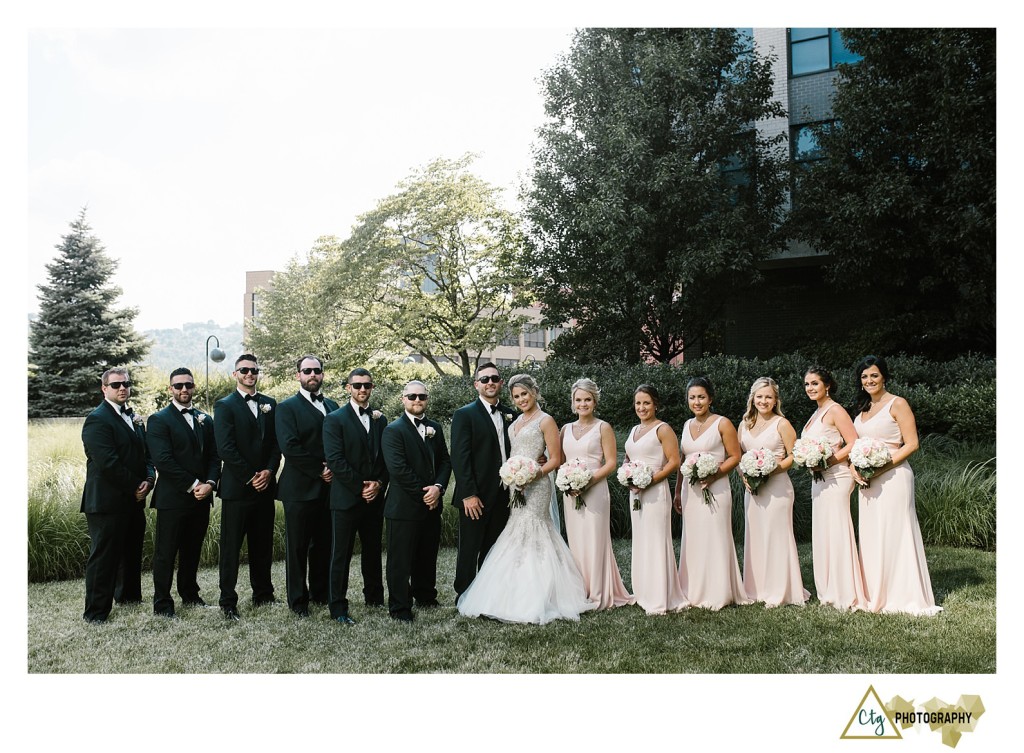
(812, 453)
(697, 467)
(868, 455)
(573, 477)
(516, 473)
(635, 473)
(756, 466)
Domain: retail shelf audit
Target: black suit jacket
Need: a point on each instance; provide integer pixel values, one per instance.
(353, 455)
(476, 455)
(116, 462)
(413, 463)
(181, 456)
(246, 445)
(300, 436)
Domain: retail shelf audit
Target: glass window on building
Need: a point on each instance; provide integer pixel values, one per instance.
(816, 50)
(504, 363)
(512, 338)
(805, 150)
(533, 337)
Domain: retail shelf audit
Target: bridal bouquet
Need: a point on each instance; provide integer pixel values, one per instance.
(756, 465)
(635, 473)
(516, 473)
(696, 468)
(868, 455)
(572, 477)
(812, 453)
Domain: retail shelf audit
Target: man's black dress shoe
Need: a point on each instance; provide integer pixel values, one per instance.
(169, 615)
(194, 603)
(230, 613)
(433, 603)
(303, 612)
(402, 616)
(263, 602)
(345, 620)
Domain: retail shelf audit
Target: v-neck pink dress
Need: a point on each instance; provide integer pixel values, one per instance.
(838, 579)
(896, 575)
(654, 579)
(589, 528)
(771, 563)
(709, 572)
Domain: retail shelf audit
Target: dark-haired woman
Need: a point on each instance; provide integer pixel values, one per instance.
(891, 549)
(837, 574)
(654, 579)
(709, 572)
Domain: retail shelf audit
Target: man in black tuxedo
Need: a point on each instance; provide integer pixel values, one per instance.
(419, 468)
(480, 445)
(304, 487)
(182, 444)
(352, 449)
(247, 445)
(118, 476)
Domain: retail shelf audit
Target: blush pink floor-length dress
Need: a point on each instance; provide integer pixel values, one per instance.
(892, 557)
(589, 528)
(771, 563)
(709, 572)
(838, 579)
(654, 579)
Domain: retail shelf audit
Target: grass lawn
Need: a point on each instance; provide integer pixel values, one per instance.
(750, 639)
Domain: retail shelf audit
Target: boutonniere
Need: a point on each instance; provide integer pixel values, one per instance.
(201, 418)
(264, 407)
(138, 419)
(508, 417)
(429, 432)
(377, 414)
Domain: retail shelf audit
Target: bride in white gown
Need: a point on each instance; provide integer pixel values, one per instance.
(529, 575)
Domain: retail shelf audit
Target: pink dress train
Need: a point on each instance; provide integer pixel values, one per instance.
(589, 528)
(771, 564)
(891, 549)
(708, 570)
(838, 579)
(655, 582)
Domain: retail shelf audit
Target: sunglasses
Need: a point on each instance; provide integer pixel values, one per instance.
(361, 385)
(118, 385)
(485, 379)
(249, 370)
(416, 396)
(184, 386)
(313, 370)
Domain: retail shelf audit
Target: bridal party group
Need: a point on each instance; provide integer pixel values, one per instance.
(343, 470)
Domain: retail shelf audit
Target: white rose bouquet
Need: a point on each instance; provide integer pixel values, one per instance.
(812, 453)
(756, 466)
(697, 467)
(638, 474)
(868, 455)
(573, 477)
(516, 473)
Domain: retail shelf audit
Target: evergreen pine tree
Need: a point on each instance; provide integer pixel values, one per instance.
(78, 334)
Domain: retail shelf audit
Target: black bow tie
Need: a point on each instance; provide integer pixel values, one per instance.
(127, 411)
(317, 397)
(494, 409)
(185, 411)
(418, 422)
(364, 411)
(255, 398)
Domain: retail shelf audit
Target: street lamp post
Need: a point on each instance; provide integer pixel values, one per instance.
(216, 355)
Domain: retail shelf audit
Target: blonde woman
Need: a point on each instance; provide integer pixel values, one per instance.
(588, 522)
(771, 564)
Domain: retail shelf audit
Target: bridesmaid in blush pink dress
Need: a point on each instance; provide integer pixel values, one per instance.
(589, 528)
(837, 575)
(771, 564)
(708, 570)
(896, 575)
(655, 582)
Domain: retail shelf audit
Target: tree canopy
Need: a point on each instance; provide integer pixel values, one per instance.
(434, 269)
(653, 194)
(78, 334)
(903, 198)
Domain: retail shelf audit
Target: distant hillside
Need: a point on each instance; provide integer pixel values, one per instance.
(187, 346)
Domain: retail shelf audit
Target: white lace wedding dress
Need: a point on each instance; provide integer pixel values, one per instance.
(529, 575)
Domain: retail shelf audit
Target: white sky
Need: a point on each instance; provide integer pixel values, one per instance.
(204, 153)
